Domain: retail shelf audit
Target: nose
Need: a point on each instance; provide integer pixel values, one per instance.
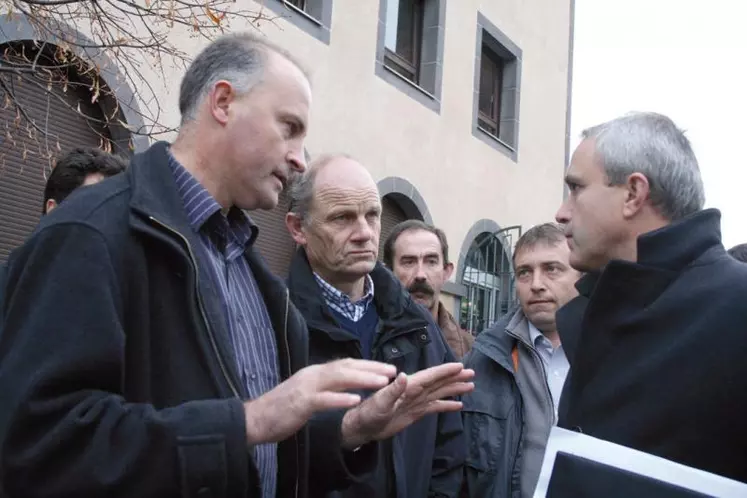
(363, 230)
(420, 272)
(297, 160)
(563, 216)
(538, 281)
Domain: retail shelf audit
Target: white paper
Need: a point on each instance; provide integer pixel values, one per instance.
(631, 460)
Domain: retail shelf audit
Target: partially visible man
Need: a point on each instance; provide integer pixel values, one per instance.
(418, 255)
(82, 166)
(356, 308)
(521, 366)
(656, 340)
(79, 167)
(739, 252)
(147, 349)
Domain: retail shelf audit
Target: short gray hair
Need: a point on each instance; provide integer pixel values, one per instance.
(301, 191)
(651, 144)
(238, 58)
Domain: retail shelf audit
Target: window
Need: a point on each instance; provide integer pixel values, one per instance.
(488, 279)
(404, 27)
(312, 16)
(410, 47)
(497, 81)
(491, 82)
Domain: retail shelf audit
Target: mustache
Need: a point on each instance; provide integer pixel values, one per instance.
(421, 287)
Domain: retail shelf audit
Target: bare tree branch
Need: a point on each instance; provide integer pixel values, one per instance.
(137, 40)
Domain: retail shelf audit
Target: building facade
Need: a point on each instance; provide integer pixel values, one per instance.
(458, 108)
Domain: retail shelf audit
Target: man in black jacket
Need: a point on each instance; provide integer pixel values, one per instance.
(147, 350)
(355, 307)
(656, 340)
(76, 168)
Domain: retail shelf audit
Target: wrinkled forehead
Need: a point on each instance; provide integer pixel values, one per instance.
(330, 197)
(417, 242)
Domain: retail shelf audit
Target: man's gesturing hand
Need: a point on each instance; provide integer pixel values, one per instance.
(405, 401)
(279, 413)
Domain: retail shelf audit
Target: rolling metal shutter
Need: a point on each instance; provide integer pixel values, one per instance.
(24, 161)
(274, 242)
(391, 216)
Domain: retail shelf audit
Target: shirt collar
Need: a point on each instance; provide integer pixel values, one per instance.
(332, 295)
(535, 335)
(203, 211)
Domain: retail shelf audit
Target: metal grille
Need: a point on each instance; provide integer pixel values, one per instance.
(489, 279)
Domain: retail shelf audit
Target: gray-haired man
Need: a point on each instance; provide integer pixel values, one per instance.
(147, 350)
(656, 340)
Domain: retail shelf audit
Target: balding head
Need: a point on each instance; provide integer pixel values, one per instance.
(336, 216)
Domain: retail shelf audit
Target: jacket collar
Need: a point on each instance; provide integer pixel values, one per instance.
(498, 341)
(154, 192)
(608, 296)
(678, 244)
(395, 307)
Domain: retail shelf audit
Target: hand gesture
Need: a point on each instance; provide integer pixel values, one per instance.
(281, 412)
(405, 401)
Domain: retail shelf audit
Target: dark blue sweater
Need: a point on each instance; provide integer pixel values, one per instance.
(364, 329)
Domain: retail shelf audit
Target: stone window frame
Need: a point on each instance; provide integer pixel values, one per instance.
(428, 89)
(317, 21)
(501, 46)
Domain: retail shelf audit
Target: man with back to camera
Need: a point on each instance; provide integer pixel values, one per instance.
(147, 350)
(656, 339)
(418, 255)
(79, 167)
(355, 307)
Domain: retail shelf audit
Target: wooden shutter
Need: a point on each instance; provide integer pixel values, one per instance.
(391, 216)
(274, 242)
(24, 161)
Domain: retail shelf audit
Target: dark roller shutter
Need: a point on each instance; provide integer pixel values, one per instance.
(274, 242)
(24, 161)
(391, 216)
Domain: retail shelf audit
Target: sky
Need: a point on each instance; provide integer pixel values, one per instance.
(682, 58)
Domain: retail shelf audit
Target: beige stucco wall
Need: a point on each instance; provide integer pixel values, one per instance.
(461, 179)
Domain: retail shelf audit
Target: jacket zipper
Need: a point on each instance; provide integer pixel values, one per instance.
(287, 356)
(213, 342)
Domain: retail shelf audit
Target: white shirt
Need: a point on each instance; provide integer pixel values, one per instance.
(555, 363)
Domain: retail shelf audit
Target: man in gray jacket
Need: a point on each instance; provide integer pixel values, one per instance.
(520, 368)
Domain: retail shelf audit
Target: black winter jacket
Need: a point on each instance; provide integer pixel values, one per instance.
(116, 370)
(657, 351)
(427, 458)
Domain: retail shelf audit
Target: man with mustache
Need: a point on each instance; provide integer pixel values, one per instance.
(354, 307)
(522, 367)
(418, 254)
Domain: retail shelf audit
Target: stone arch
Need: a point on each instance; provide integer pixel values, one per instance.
(17, 28)
(406, 196)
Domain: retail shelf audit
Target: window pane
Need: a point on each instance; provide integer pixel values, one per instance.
(488, 74)
(301, 4)
(401, 18)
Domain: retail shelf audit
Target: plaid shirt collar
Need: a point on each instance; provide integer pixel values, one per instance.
(341, 303)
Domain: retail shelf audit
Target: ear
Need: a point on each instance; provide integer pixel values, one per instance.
(295, 227)
(637, 192)
(220, 99)
(50, 205)
(448, 270)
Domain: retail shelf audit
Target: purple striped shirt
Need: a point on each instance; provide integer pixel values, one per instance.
(224, 240)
